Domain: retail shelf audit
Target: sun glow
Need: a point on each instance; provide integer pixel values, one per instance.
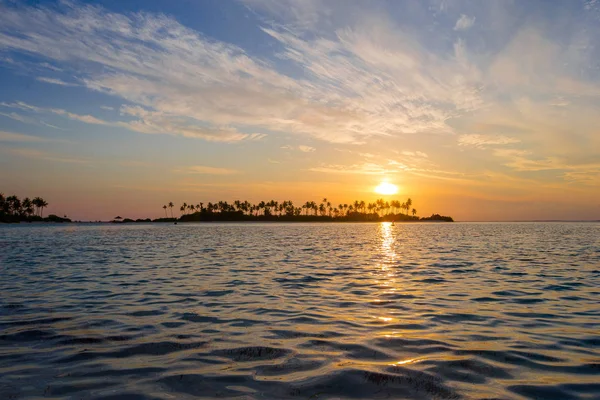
(386, 188)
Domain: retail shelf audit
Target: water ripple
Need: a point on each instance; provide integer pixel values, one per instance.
(300, 311)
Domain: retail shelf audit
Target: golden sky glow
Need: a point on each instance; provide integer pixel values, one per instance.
(484, 111)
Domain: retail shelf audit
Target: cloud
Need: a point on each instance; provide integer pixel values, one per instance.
(300, 14)
(88, 119)
(464, 23)
(302, 148)
(17, 117)
(52, 126)
(483, 141)
(367, 168)
(19, 137)
(151, 122)
(50, 67)
(418, 154)
(54, 81)
(306, 149)
(107, 108)
(360, 83)
(525, 161)
(205, 170)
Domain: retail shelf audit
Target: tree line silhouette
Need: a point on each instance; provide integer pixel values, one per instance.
(13, 209)
(273, 210)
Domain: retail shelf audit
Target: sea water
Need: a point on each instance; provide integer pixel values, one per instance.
(300, 311)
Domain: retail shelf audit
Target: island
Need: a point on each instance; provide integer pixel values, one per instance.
(15, 210)
(286, 211)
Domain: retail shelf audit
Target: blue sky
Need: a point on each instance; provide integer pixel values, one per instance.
(482, 110)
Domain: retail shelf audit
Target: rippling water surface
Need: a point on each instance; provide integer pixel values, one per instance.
(300, 311)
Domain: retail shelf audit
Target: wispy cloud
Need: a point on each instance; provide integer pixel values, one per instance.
(206, 170)
(17, 117)
(108, 108)
(367, 168)
(525, 161)
(51, 67)
(150, 122)
(302, 148)
(355, 88)
(54, 81)
(415, 154)
(30, 108)
(464, 23)
(306, 149)
(483, 141)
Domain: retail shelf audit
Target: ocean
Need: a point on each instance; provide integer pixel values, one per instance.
(300, 311)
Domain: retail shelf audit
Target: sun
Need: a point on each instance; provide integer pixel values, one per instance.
(386, 188)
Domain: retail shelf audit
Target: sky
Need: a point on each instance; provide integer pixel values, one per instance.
(478, 110)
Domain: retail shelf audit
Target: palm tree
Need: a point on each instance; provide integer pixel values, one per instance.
(3, 204)
(171, 205)
(182, 208)
(322, 209)
(14, 205)
(36, 203)
(165, 208)
(414, 212)
(307, 206)
(27, 206)
(43, 204)
(408, 205)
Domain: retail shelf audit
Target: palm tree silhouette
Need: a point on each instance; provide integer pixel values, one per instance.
(43, 204)
(357, 210)
(27, 207)
(165, 208)
(171, 205)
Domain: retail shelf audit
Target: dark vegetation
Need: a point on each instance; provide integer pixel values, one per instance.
(13, 209)
(286, 211)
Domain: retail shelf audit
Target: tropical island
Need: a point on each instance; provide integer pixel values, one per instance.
(14, 210)
(287, 211)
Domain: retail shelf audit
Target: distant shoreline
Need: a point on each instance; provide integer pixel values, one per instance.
(279, 222)
(236, 216)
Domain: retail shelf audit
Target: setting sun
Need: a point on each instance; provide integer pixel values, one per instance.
(386, 188)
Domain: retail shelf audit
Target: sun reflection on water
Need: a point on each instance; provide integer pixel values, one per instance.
(388, 240)
(385, 274)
